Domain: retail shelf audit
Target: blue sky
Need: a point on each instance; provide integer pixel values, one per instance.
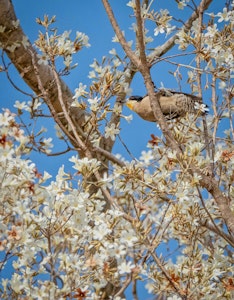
(89, 17)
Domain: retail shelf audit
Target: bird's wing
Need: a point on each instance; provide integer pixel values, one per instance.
(176, 104)
(169, 106)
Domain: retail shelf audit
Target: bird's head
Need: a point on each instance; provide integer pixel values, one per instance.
(141, 106)
(132, 101)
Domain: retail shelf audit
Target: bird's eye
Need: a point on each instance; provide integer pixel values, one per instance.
(136, 98)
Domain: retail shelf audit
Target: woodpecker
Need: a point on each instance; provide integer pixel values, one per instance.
(173, 105)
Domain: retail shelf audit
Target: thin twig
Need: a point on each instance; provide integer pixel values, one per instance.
(165, 272)
(124, 286)
(109, 156)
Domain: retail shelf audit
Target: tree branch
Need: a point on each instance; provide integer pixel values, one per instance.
(131, 55)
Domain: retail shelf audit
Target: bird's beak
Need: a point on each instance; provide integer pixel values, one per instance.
(130, 104)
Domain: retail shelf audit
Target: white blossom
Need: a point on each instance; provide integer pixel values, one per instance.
(80, 36)
(16, 23)
(111, 131)
(125, 267)
(159, 29)
(174, 297)
(202, 107)
(85, 164)
(94, 104)
(2, 28)
(21, 105)
(6, 118)
(211, 31)
(47, 144)
(113, 52)
(224, 16)
(25, 42)
(43, 59)
(117, 109)
(182, 4)
(131, 4)
(146, 156)
(80, 91)
(100, 231)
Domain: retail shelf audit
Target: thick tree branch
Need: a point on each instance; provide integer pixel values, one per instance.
(221, 200)
(216, 230)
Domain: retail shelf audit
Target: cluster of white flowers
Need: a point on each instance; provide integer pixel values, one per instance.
(147, 157)
(217, 40)
(55, 45)
(85, 165)
(107, 81)
(50, 224)
(162, 20)
(65, 227)
(30, 106)
(118, 78)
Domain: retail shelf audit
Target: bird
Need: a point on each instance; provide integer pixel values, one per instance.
(173, 105)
